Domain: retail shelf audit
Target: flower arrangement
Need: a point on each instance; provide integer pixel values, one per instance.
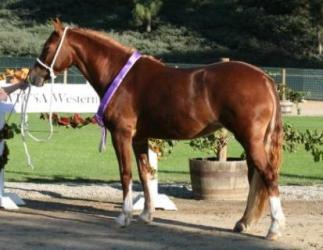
(14, 75)
(74, 121)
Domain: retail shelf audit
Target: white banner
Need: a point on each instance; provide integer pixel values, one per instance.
(66, 98)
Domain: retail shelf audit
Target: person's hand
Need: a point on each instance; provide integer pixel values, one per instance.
(23, 85)
(3, 95)
(13, 87)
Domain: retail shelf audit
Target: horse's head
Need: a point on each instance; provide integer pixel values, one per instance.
(55, 57)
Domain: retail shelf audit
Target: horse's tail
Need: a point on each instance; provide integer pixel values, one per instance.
(258, 195)
(274, 133)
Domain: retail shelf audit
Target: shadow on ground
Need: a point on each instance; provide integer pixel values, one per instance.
(60, 224)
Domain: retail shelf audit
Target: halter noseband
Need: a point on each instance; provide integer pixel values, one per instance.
(51, 67)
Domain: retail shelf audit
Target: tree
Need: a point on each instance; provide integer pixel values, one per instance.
(275, 7)
(285, 24)
(145, 10)
(316, 16)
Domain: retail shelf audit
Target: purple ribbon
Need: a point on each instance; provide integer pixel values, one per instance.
(110, 92)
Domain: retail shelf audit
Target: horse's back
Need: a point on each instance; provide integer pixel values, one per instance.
(231, 85)
(237, 79)
(232, 76)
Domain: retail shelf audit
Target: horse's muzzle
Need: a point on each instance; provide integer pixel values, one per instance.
(37, 76)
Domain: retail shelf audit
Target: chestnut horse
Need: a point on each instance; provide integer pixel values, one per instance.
(157, 101)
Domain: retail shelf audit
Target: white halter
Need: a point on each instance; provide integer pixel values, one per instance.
(25, 98)
(51, 67)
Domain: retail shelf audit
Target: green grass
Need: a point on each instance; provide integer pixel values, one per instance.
(299, 167)
(72, 155)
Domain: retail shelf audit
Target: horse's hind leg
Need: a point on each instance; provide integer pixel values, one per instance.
(264, 183)
(145, 174)
(257, 198)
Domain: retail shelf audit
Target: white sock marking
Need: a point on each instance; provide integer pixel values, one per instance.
(278, 217)
(276, 209)
(127, 203)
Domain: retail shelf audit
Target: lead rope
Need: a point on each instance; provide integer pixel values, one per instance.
(22, 95)
(24, 122)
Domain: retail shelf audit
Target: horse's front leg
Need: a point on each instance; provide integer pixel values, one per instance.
(122, 141)
(145, 174)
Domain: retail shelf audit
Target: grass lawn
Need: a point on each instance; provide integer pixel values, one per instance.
(72, 155)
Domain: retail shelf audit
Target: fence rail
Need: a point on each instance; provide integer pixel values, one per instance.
(309, 81)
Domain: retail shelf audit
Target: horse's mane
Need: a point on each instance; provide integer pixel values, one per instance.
(104, 38)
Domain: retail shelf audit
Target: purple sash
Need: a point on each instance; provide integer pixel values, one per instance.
(110, 92)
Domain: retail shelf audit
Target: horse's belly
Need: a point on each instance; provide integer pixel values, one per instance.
(209, 129)
(183, 130)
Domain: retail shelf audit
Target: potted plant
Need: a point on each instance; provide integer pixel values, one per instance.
(217, 177)
(285, 104)
(289, 97)
(297, 97)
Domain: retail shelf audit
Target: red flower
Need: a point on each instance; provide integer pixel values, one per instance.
(75, 121)
(63, 121)
(93, 120)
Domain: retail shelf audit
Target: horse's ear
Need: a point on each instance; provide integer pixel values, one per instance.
(58, 26)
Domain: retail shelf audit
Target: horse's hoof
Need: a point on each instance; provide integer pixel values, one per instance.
(275, 229)
(273, 235)
(282, 222)
(240, 227)
(123, 220)
(146, 217)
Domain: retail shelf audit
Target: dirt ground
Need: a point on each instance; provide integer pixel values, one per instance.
(69, 223)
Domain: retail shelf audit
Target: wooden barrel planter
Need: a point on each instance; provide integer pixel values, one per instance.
(215, 180)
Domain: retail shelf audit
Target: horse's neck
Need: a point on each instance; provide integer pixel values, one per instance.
(99, 64)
